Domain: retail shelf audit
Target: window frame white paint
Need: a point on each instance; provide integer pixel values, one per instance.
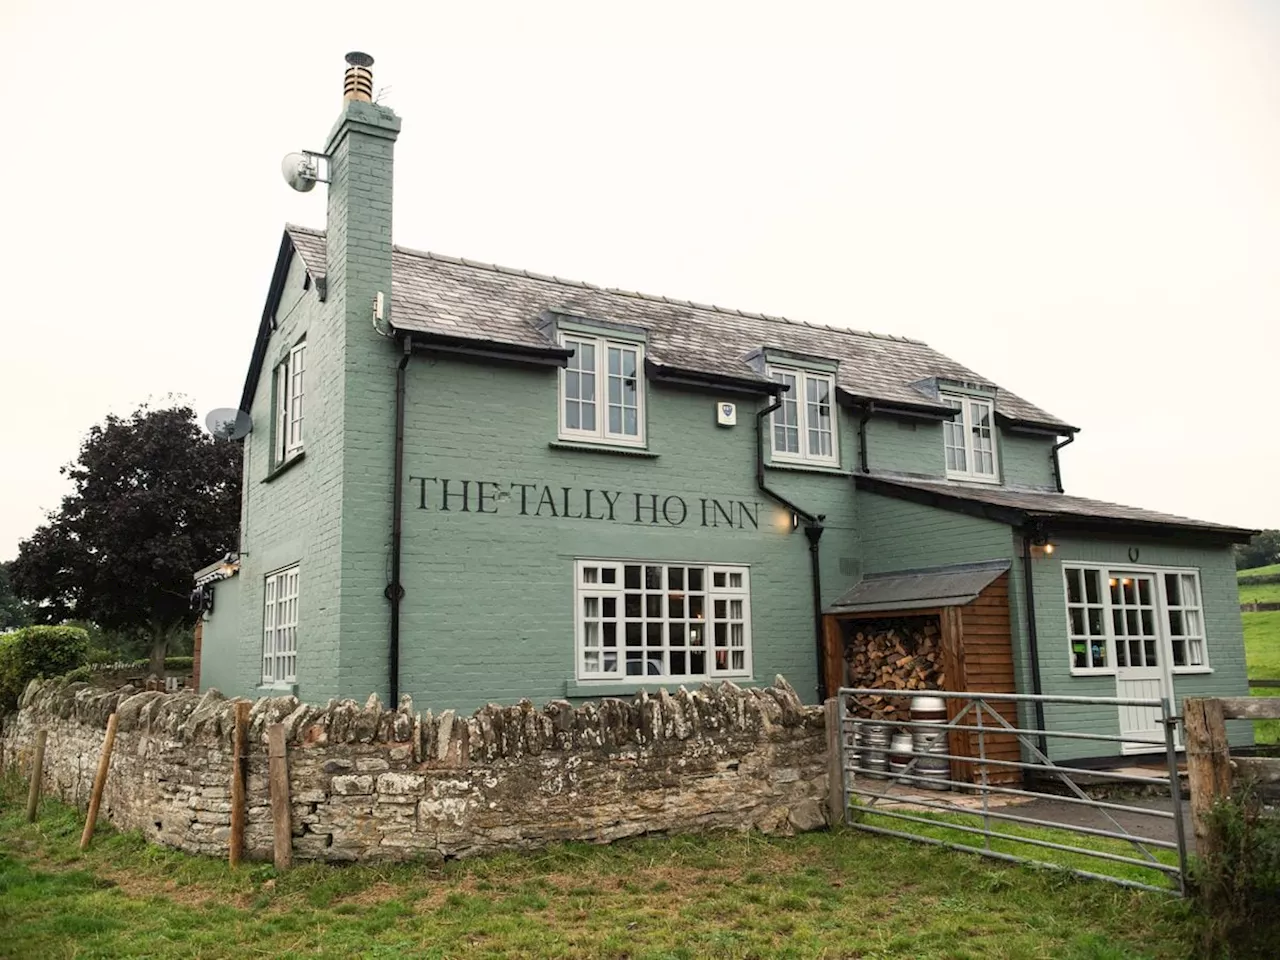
(290, 382)
(280, 606)
(1164, 632)
(600, 392)
(798, 399)
(600, 590)
(965, 423)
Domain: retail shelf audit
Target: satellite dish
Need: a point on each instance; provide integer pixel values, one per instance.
(227, 423)
(300, 171)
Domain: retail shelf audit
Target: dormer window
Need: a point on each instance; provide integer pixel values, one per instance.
(969, 439)
(602, 391)
(804, 427)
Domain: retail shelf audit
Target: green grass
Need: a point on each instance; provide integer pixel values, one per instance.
(1260, 593)
(1259, 571)
(1262, 654)
(838, 894)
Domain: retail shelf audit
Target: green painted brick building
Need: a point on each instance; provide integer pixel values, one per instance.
(469, 483)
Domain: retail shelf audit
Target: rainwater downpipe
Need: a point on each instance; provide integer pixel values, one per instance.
(395, 590)
(1033, 645)
(1057, 464)
(867, 410)
(813, 530)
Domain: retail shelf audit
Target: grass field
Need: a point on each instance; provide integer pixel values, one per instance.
(839, 894)
(1262, 654)
(1259, 571)
(1260, 593)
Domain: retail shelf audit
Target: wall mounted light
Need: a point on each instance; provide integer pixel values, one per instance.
(795, 520)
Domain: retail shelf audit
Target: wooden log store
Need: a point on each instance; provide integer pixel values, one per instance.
(941, 628)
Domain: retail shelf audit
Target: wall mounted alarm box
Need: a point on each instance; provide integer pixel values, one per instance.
(726, 414)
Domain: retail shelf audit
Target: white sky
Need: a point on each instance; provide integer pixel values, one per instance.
(1078, 200)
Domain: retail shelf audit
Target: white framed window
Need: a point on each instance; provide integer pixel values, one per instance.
(804, 427)
(1123, 616)
(969, 440)
(1087, 620)
(280, 627)
(679, 621)
(1186, 619)
(602, 391)
(290, 393)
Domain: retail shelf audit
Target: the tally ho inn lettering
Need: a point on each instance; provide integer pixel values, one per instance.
(448, 495)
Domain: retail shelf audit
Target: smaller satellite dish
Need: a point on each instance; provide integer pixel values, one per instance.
(300, 171)
(226, 423)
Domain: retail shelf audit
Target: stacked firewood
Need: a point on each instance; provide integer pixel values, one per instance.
(901, 654)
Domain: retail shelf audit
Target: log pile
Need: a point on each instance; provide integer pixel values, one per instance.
(899, 654)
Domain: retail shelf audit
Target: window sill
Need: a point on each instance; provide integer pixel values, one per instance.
(627, 688)
(1191, 671)
(1093, 672)
(287, 465)
(602, 448)
(278, 689)
(834, 469)
(970, 478)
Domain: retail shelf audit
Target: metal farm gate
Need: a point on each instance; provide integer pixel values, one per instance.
(950, 779)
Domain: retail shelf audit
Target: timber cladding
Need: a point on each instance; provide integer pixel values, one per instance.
(961, 649)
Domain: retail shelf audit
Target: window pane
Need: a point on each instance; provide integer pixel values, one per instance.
(1171, 588)
(1074, 593)
(1093, 586)
(1096, 628)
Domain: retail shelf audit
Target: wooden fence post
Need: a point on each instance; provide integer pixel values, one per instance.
(235, 843)
(1208, 765)
(281, 808)
(835, 767)
(37, 776)
(99, 782)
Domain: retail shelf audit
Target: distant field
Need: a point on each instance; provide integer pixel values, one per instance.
(1262, 653)
(1259, 571)
(1260, 593)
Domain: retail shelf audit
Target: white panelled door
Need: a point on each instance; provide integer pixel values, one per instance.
(1141, 672)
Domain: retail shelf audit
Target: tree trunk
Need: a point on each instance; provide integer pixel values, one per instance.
(159, 647)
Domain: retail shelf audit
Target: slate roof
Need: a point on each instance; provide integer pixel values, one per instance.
(948, 586)
(446, 296)
(1020, 507)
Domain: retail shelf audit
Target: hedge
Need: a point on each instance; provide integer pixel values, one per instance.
(38, 652)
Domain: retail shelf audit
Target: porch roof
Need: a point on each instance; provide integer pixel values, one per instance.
(1045, 511)
(921, 589)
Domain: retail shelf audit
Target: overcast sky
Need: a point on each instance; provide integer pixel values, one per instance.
(1081, 201)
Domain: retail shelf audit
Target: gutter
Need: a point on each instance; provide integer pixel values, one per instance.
(1057, 465)
(395, 589)
(813, 529)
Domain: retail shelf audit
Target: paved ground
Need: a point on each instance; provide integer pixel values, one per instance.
(1071, 814)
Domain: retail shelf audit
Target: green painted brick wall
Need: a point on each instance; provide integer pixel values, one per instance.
(1224, 634)
(489, 608)
(897, 535)
(911, 446)
(220, 645)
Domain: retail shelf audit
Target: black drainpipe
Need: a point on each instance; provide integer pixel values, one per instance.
(1057, 465)
(395, 590)
(867, 410)
(813, 529)
(1033, 646)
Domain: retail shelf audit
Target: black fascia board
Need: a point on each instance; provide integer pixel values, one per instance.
(662, 373)
(488, 349)
(278, 277)
(895, 408)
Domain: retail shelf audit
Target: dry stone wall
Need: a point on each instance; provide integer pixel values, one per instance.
(371, 783)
